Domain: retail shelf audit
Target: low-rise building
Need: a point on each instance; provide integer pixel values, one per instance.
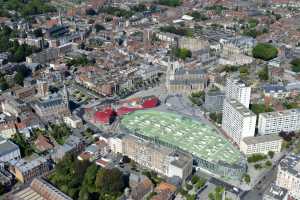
(275, 192)
(261, 144)
(41, 189)
(73, 121)
(288, 175)
(140, 186)
(275, 91)
(8, 151)
(214, 101)
(26, 170)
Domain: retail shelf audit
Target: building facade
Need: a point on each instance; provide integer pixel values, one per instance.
(237, 121)
(185, 80)
(236, 89)
(275, 122)
(26, 170)
(8, 151)
(159, 158)
(288, 175)
(261, 144)
(214, 101)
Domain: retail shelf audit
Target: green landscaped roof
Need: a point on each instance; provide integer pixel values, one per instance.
(190, 135)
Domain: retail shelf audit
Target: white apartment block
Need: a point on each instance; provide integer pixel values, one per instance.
(115, 144)
(261, 144)
(288, 175)
(236, 89)
(275, 122)
(237, 120)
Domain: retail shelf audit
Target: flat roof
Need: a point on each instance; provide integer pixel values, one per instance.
(282, 113)
(188, 134)
(261, 139)
(240, 108)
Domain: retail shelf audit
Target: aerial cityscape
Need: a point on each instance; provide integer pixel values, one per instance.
(149, 99)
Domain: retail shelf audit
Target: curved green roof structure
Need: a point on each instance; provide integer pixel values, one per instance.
(193, 136)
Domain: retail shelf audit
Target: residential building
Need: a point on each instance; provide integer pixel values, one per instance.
(237, 89)
(238, 45)
(237, 121)
(41, 189)
(261, 144)
(159, 158)
(73, 121)
(73, 145)
(193, 44)
(115, 144)
(7, 126)
(275, 192)
(94, 151)
(277, 121)
(8, 151)
(24, 92)
(214, 101)
(275, 91)
(26, 170)
(44, 56)
(14, 107)
(140, 186)
(164, 191)
(43, 143)
(288, 175)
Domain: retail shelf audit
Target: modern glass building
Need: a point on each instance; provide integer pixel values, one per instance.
(213, 153)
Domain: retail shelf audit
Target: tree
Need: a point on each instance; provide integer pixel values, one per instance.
(247, 178)
(182, 53)
(296, 65)
(2, 189)
(216, 117)
(268, 163)
(91, 12)
(244, 71)
(19, 78)
(217, 194)
(199, 16)
(25, 147)
(38, 32)
(60, 132)
(271, 154)
(99, 27)
(194, 179)
(109, 182)
(263, 74)
(256, 157)
(172, 3)
(264, 51)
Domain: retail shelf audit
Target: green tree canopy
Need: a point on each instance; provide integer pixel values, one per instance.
(172, 3)
(264, 51)
(182, 53)
(296, 65)
(109, 181)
